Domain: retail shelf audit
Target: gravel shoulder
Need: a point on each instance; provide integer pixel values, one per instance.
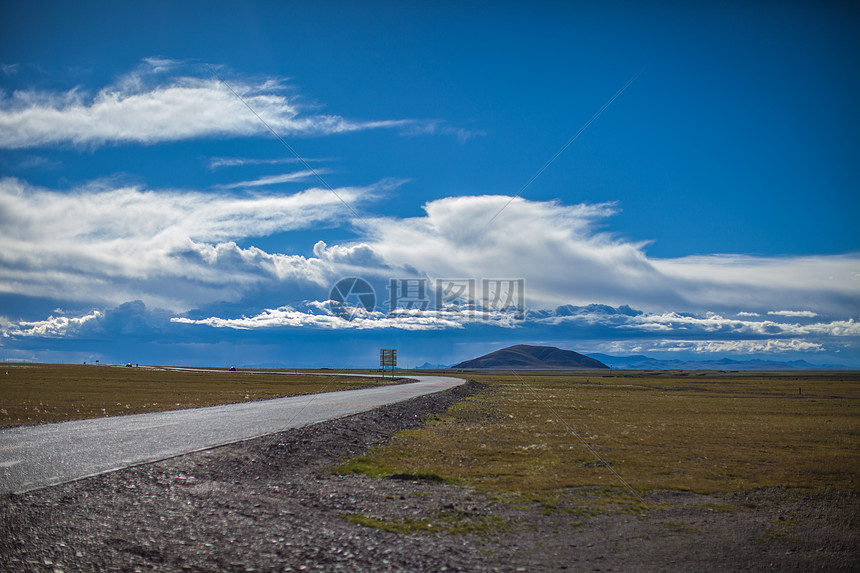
(273, 504)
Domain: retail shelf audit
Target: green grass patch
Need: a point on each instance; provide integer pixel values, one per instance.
(421, 476)
(364, 465)
(579, 502)
(405, 525)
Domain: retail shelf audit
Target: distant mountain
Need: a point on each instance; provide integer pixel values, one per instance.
(640, 362)
(428, 366)
(524, 357)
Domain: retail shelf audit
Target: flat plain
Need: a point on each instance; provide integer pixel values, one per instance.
(42, 393)
(530, 432)
(639, 431)
(519, 471)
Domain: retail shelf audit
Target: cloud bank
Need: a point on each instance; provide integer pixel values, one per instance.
(106, 244)
(133, 242)
(566, 258)
(103, 245)
(597, 328)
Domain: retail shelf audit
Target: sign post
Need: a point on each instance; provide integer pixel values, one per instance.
(388, 357)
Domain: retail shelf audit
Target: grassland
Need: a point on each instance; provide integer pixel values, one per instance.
(534, 434)
(39, 393)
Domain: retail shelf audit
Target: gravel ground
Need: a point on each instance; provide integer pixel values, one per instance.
(273, 504)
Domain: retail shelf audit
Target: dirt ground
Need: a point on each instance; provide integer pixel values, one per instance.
(274, 504)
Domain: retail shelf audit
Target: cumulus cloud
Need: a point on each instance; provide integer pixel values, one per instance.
(51, 327)
(105, 244)
(173, 249)
(566, 258)
(553, 246)
(320, 315)
(149, 105)
(130, 320)
(105, 239)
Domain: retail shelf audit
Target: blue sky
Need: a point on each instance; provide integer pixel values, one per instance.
(148, 215)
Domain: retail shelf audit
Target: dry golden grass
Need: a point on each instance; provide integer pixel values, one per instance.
(704, 432)
(38, 393)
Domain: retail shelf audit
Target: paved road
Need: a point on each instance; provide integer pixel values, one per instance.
(37, 456)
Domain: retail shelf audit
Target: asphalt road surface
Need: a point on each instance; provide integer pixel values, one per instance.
(37, 456)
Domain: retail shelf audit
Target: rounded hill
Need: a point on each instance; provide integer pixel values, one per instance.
(525, 357)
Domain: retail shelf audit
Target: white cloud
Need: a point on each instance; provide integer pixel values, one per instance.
(848, 327)
(711, 323)
(106, 212)
(564, 258)
(826, 284)
(431, 127)
(159, 65)
(710, 348)
(171, 249)
(95, 239)
(147, 107)
(218, 162)
(105, 244)
(320, 314)
(359, 319)
(53, 326)
(793, 313)
(276, 179)
(666, 332)
(770, 346)
(551, 245)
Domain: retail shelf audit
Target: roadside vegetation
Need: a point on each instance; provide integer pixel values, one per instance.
(531, 436)
(40, 393)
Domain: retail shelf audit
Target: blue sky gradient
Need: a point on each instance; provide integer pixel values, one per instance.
(149, 216)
